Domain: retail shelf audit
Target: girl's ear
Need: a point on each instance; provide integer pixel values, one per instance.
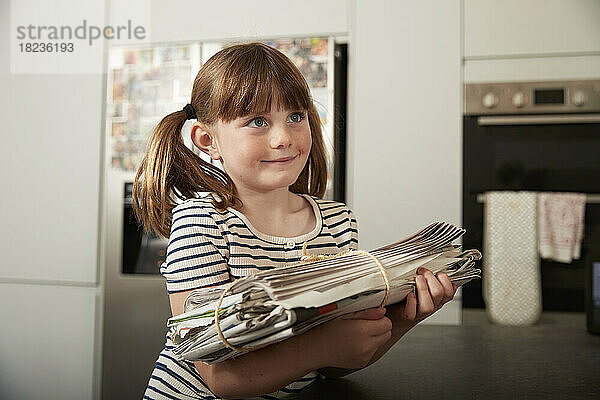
(205, 140)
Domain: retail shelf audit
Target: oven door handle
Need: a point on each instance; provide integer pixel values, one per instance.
(540, 119)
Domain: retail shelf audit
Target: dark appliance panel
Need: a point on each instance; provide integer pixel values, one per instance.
(143, 253)
(508, 147)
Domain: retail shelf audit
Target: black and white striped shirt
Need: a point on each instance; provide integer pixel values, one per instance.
(208, 247)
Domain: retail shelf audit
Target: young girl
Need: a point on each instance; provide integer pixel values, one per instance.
(255, 115)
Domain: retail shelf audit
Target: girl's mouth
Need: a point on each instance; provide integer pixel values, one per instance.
(283, 160)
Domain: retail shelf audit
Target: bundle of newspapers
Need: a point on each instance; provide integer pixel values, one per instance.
(273, 305)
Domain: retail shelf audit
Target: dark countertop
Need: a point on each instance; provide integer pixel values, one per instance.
(554, 359)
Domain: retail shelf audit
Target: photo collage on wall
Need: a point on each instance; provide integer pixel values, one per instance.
(145, 85)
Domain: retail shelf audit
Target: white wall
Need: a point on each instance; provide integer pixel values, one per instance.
(405, 117)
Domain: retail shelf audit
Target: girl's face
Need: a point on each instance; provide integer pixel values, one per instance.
(263, 152)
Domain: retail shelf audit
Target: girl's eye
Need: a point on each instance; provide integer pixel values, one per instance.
(257, 122)
(297, 117)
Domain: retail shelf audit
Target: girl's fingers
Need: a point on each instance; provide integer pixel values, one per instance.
(435, 288)
(447, 285)
(381, 326)
(425, 303)
(410, 309)
(381, 339)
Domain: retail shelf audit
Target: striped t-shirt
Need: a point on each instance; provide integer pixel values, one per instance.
(208, 247)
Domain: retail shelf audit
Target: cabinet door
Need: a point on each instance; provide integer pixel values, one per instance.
(533, 27)
(50, 174)
(404, 126)
(47, 345)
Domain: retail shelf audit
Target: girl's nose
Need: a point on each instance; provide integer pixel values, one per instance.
(280, 137)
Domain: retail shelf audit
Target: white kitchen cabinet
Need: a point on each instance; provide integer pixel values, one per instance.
(509, 28)
(50, 174)
(244, 20)
(404, 111)
(47, 346)
(532, 69)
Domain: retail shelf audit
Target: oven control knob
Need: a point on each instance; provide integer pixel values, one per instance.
(579, 98)
(490, 100)
(518, 100)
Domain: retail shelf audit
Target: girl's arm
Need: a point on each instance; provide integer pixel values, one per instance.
(432, 293)
(345, 342)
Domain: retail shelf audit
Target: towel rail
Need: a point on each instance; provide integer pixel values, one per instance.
(590, 198)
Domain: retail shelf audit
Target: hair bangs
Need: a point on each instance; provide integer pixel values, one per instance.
(256, 80)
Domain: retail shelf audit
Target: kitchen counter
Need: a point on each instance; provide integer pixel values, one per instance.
(554, 359)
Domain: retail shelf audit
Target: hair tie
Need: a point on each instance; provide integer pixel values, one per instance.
(189, 111)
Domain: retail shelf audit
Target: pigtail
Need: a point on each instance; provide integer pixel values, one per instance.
(170, 170)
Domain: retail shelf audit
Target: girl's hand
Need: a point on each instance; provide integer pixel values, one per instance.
(350, 340)
(432, 293)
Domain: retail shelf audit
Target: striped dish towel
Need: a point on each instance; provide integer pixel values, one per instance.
(511, 276)
(560, 225)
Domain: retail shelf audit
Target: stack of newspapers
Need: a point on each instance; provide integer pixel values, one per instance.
(274, 305)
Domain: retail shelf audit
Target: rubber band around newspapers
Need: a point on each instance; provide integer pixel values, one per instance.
(305, 258)
(320, 257)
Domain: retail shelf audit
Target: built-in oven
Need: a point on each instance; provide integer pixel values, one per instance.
(142, 252)
(534, 136)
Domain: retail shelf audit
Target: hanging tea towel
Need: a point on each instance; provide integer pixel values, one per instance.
(511, 275)
(560, 225)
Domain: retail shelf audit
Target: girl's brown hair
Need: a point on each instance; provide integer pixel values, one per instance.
(239, 80)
